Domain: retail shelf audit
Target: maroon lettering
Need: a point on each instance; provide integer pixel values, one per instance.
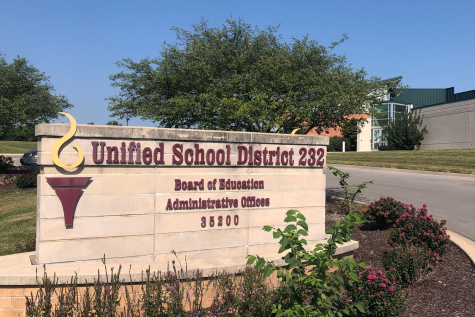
(220, 157)
(312, 160)
(285, 157)
(112, 150)
(161, 149)
(178, 156)
(228, 154)
(278, 156)
(264, 153)
(291, 160)
(199, 155)
(138, 154)
(131, 152)
(271, 155)
(303, 153)
(169, 205)
(210, 157)
(257, 157)
(320, 153)
(95, 144)
(228, 220)
(122, 153)
(203, 222)
(242, 154)
(147, 155)
(189, 156)
(236, 220)
(177, 184)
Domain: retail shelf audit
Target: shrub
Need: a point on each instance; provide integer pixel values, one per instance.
(27, 180)
(305, 289)
(377, 293)
(386, 211)
(336, 144)
(406, 131)
(349, 191)
(386, 148)
(418, 229)
(243, 295)
(408, 264)
(6, 163)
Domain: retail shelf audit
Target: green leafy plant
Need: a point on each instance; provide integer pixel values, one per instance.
(349, 191)
(386, 211)
(304, 288)
(378, 294)
(27, 180)
(408, 264)
(6, 163)
(406, 132)
(422, 230)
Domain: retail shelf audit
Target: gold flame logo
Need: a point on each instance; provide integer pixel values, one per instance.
(64, 139)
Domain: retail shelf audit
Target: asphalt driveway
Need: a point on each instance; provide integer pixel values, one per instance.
(447, 197)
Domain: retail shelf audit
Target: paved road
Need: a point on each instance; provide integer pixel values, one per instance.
(16, 158)
(446, 197)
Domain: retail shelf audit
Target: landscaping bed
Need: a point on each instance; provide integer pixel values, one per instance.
(447, 291)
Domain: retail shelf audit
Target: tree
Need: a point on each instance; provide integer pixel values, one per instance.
(122, 106)
(405, 133)
(26, 98)
(113, 122)
(239, 78)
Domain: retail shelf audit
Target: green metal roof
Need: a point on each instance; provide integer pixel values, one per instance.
(424, 97)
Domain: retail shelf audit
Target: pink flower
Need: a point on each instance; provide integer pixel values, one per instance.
(390, 289)
(359, 288)
(383, 285)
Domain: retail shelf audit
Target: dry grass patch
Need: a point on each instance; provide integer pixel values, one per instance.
(17, 221)
(452, 161)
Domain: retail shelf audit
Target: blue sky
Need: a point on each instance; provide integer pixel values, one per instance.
(429, 43)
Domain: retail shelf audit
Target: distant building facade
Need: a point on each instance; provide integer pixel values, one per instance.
(449, 117)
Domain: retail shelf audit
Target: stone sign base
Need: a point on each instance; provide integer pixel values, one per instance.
(18, 275)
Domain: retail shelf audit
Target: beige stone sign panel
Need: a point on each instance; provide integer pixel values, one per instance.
(204, 194)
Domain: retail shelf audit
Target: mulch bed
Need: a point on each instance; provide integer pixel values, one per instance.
(447, 291)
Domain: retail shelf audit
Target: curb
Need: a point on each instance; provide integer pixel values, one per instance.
(401, 170)
(465, 244)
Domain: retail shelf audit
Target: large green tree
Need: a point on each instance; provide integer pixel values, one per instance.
(241, 78)
(26, 97)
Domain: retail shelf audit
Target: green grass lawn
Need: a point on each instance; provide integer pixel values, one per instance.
(16, 147)
(17, 221)
(453, 161)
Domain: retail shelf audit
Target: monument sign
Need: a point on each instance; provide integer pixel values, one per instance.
(136, 193)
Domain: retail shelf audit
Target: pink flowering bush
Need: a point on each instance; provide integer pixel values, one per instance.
(419, 229)
(386, 211)
(377, 292)
(243, 295)
(408, 264)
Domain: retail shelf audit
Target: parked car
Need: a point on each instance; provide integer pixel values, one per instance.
(30, 158)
